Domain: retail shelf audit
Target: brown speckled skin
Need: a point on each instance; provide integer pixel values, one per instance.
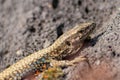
(63, 46)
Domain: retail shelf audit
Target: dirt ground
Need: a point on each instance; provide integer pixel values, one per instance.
(28, 26)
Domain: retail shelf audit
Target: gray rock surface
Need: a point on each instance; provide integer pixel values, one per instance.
(27, 26)
(103, 54)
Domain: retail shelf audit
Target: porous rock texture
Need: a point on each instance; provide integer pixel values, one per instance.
(28, 26)
(103, 54)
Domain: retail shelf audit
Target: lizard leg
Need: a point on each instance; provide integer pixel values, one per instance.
(67, 62)
(55, 72)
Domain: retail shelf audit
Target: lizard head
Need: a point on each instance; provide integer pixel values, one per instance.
(80, 30)
(74, 38)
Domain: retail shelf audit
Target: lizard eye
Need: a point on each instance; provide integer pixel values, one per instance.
(81, 31)
(68, 43)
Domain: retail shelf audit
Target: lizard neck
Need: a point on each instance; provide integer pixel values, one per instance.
(57, 49)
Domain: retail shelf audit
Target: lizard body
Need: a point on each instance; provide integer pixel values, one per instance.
(65, 45)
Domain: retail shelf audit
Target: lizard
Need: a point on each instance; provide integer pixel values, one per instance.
(66, 44)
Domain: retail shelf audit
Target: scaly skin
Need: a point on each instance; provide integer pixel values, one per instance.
(65, 45)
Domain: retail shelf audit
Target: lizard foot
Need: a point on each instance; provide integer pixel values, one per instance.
(66, 62)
